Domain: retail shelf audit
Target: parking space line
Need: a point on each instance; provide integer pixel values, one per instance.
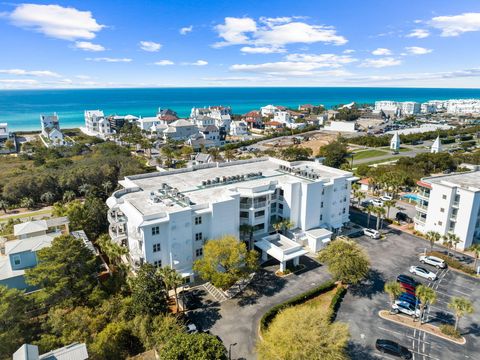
(400, 334)
(442, 310)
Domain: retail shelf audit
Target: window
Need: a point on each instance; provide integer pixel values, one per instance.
(321, 204)
(198, 220)
(323, 191)
(444, 197)
(260, 213)
(17, 260)
(258, 227)
(155, 230)
(280, 206)
(199, 252)
(440, 223)
(442, 210)
(344, 199)
(452, 225)
(198, 236)
(156, 247)
(321, 217)
(157, 263)
(344, 210)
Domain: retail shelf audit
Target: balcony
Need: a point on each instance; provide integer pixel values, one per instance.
(456, 204)
(115, 217)
(117, 233)
(419, 220)
(245, 206)
(421, 207)
(259, 204)
(424, 194)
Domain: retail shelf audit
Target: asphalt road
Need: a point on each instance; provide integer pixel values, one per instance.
(360, 307)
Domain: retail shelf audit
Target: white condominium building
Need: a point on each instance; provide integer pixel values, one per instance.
(410, 108)
(450, 203)
(96, 123)
(165, 218)
(388, 107)
(466, 106)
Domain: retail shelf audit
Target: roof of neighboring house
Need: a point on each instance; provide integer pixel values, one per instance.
(364, 181)
(181, 122)
(75, 351)
(30, 227)
(210, 128)
(6, 271)
(80, 234)
(252, 113)
(30, 244)
(168, 117)
(273, 123)
(202, 157)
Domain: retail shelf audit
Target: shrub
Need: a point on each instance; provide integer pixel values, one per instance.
(336, 301)
(450, 330)
(299, 299)
(454, 263)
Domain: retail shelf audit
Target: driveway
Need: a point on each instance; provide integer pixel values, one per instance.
(361, 305)
(236, 321)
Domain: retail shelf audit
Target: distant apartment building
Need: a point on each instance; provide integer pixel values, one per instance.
(268, 110)
(96, 124)
(428, 108)
(51, 132)
(396, 108)
(221, 114)
(466, 106)
(450, 204)
(165, 218)
(410, 108)
(119, 121)
(74, 351)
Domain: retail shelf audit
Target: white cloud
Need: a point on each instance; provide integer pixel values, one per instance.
(164, 63)
(419, 33)
(417, 50)
(322, 60)
(274, 33)
(381, 63)
(466, 73)
(456, 24)
(83, 77)
(197, 63)
(19, 81)
(381, 52)
(109, 60)
(21, 72)
(55, 21)
(185, 30)
(150, 46)
(88, 46)
(348, 51)
(261, 50)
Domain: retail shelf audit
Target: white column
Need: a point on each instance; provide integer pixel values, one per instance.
(264, 256)
(296, 261)
(283, 266)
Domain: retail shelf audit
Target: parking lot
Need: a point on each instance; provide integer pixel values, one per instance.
(390, 257)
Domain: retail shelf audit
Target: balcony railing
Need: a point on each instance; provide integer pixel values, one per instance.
(245, 206)
(421, 207)
(419, 220)
(259, 204)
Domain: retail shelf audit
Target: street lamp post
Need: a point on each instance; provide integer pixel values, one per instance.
(230, 350)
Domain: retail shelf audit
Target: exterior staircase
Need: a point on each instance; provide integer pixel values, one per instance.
(218, 294)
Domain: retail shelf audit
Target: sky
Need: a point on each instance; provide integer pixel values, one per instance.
(168, 43)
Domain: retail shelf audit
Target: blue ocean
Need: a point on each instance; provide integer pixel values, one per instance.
(21, 108)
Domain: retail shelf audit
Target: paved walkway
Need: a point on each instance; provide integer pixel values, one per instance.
(236, 321)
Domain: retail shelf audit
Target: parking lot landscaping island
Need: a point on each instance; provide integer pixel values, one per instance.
(429, 328)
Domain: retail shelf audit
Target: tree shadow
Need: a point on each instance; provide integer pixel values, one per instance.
(198, 298)
(357, 351)
(372, 285)
(264, 283)
(473, 329)
(204, 319)
(441, 317)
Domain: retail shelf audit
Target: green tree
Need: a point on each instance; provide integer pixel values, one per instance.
(66, 272)
(27, 202)
(113, 251)
(172, 280)
(379, 212)
(115, 341)
(393, 289)
(13, 320)
(47, 197)
(246, 232)
(68, 196)
(225, 261)
(427, 296)
(9, 145)
(4, 205)
(149, 296)
(389, 204)
(295, 153)
(168, 153)
(475, 248)
(346, 261)
(432, 237)
(155, 331)
(450, 240)
(461, 307)
(200, 346)
(107, 186)
(229, 155)
(335, 153)
(369, 209)
(315, 337)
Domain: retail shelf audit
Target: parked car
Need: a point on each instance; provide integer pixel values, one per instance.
(407, 279)
(408, 290)
(191, 328)
(377, 202)
(406, 308)
(386, 198)
(392, 348)
(434, 261)
(422, 272)
(412, 299)
(407, 286)
(365, 203)
(401, 216)
(374, 234)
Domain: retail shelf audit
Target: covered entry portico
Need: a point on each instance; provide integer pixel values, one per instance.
(281, 248)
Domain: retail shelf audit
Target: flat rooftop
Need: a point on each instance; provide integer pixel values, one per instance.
(468, 181)
(206, 183)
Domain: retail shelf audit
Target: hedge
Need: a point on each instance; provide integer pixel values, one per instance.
(300, 299)
(336, 301)
(454, 263)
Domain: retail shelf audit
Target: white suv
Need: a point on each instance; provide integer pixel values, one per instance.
(374, 234)
(422, 272)
(433, 260)
(377, 202)
(406, 308)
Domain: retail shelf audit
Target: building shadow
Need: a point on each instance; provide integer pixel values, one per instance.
(372, 285)
(264, 283)
(473, 329)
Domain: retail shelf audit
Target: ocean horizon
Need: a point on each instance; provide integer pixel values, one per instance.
(21, 109)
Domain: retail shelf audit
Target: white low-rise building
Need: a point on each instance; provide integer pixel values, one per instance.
(165, 218)
(268, 110)
(238, 128)
(342, 126)
(96, 124)
(450, 204)
(410, 108)
(51, 132)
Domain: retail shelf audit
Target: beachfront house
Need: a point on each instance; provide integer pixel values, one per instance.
(96, 124)
(238, 128)
(180, 129)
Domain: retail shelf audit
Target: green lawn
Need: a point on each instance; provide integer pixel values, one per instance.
(402, 149)
(380, 161)
(365, 154)
(6, 217)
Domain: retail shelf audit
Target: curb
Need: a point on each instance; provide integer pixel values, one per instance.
(462, 341)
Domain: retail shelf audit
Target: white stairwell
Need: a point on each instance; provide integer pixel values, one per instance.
(216, 293)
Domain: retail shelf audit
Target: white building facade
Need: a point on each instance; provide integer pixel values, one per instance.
(96, 124)
(450, 204)
(165, 218)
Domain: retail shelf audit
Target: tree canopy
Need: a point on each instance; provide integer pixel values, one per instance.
(149, 296)
(199, 346)
(225, 261)
(346, 260)
(335, 153)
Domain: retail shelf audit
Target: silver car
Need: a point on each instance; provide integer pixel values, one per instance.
(433, 260)
(422, 272)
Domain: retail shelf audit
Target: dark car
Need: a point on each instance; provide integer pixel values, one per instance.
(407, 280)
(401, 216)
(412, 299)
(392, 348)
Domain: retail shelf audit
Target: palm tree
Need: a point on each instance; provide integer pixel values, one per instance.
(370, 210)
(450, 240)
(461, 307)
(106, 185)
(247, 230)
(4, 205)
(277, 226)
(388, 204)
(168, 152)
(215, 153)
(27, 202)
(229, 155)
(85, 189)
(393, 289)
(172, 280)
(286, 225)
(112, 250)
(476, 252)
(68, 195)
(426, 295)
(432, 237)
(380, 213)
(47, 197)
